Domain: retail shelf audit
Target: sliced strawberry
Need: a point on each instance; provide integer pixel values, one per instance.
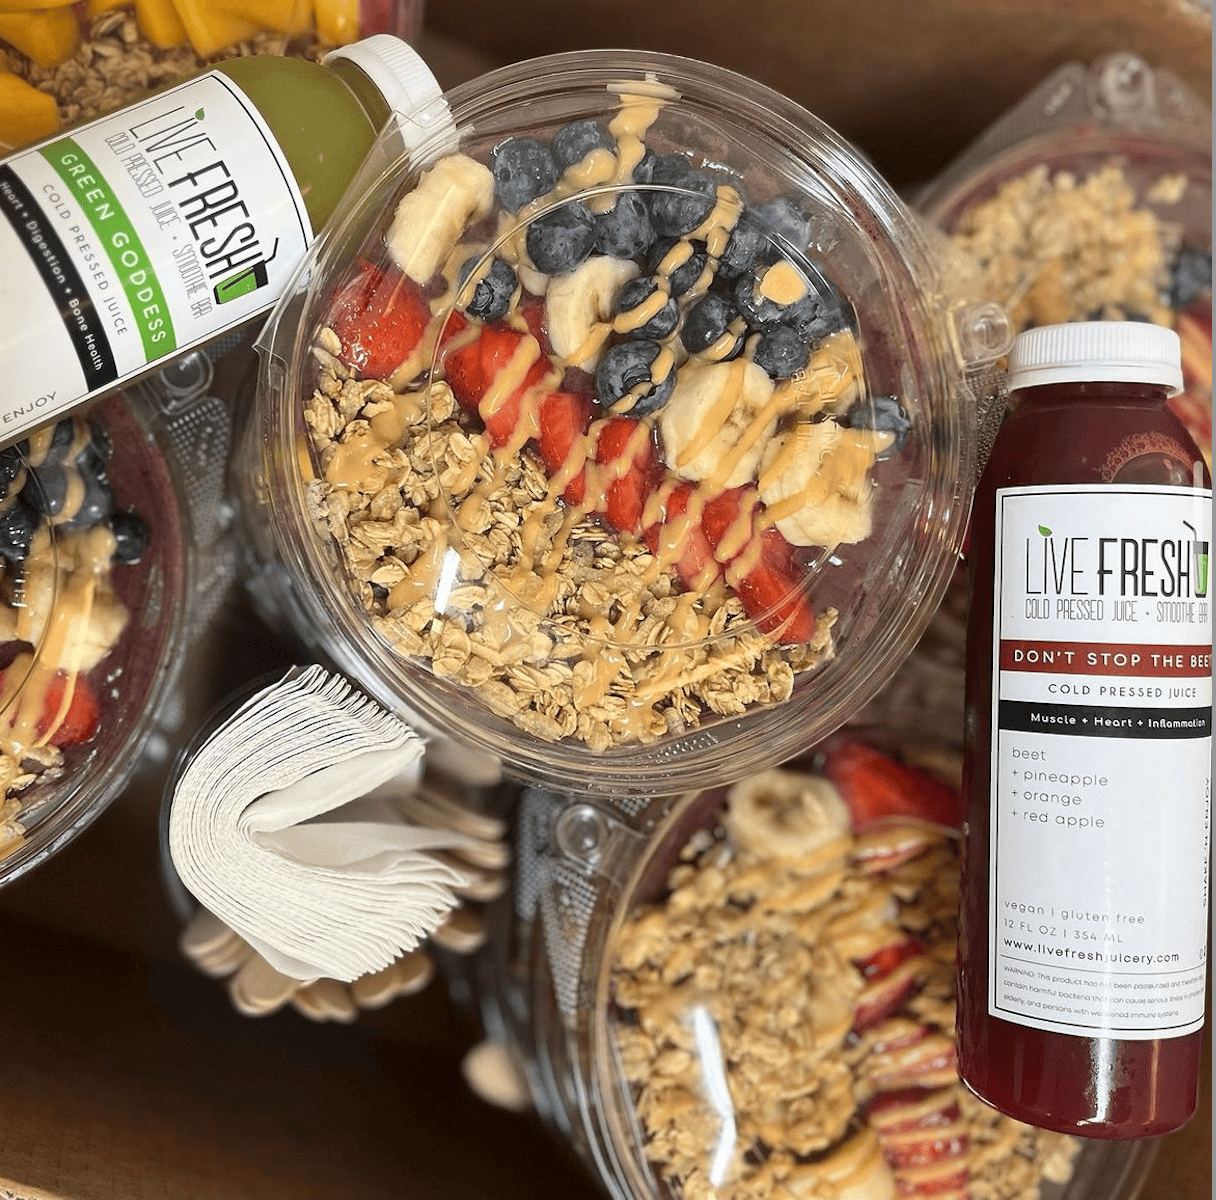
(562, 422)
(947, 1180)
(474, 370)
(627, 470)
(379, 317)
(81, 719)
(907, 1109)
(679, 541)
(729, 521)
(78, 723)
(532, 309)
(772, 596)
(928, 1061)
(885, 994)
(875, 787)
(884, 960)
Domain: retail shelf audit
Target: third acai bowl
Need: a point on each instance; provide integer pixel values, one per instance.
(623, 431)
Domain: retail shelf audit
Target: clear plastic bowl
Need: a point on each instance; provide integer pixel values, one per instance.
(600, 988)
(134, 675)
(488, 657)
(1134, 144)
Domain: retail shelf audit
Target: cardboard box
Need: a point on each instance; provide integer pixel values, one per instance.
(126, 1076)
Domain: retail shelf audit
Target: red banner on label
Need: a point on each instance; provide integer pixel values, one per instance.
(1106, 658)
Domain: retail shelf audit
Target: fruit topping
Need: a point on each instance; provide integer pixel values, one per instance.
(573, 142)
(718, 421)
(491, 293)
(636, 377)
(1190, 276)
(884, 415)
(379, 317)
(559, 240)
(781, 351)
(430, 219)
(876, 786)
(713, 328)
(624, 230)
(673, 359)
(524, 169)
(644, 309)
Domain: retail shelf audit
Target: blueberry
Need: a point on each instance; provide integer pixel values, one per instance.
(18, 523)
(884, 414)
(640, 296)
(131, 536)
(756, 309)
(686, 198)
(707, 322)
(626, 372)
(573, 142)
(12, 459)
(786, 223)
(492, 294)
(46, 488)
(682, 268)
(625, 231)
(781, 351)
(96, 504)
(823, 310)
(523, 169)
(61, 440)
(97, 452)
(561, 239)
(747, 242)
(1190, 276)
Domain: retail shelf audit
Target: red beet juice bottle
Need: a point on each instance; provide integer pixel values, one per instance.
(1084, 927)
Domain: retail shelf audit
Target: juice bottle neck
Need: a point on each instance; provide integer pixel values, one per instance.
(1091, 392)
(369, 97)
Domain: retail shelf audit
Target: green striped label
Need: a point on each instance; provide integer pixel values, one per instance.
(116, 233)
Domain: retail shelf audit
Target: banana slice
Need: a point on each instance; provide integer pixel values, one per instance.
(578, 307)
(429, 221)
(814, 481)
(718, 420)
(785, 814)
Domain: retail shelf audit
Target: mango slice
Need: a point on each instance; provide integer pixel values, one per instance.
(26, 5)
(94, 8)
(337, 21)
(26, 114)
(283, 16)
(46, 36)
(209, 29)
(159, 23)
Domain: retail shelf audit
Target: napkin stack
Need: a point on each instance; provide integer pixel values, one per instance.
(282, 826)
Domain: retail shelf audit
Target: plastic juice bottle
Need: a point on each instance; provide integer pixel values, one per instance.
(161, 226)
(1084, 926)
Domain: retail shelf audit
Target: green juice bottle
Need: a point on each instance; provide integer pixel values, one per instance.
(157, 228)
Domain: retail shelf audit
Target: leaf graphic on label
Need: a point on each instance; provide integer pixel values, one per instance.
(1044, 531)
(198, 116)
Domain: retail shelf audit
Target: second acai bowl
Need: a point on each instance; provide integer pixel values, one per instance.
(623, 431)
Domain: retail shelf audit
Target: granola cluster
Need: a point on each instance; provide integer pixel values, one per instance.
(463, 560)
(786, 1017)
(1057, 247)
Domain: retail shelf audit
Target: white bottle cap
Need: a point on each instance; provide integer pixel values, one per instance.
(405, 82)
(1097, 351)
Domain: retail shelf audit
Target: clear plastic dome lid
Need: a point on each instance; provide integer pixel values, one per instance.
(624, 436)
(94, 564)
(749, 991)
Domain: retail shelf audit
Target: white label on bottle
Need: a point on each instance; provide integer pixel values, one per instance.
(1101, 759)
(135, 238)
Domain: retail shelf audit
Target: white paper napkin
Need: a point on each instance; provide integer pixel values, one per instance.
(272, 830)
